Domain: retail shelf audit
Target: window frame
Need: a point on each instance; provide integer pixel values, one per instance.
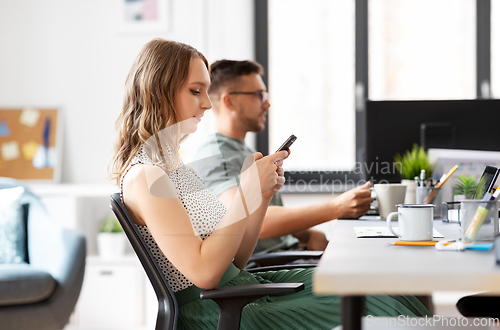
(360, 91)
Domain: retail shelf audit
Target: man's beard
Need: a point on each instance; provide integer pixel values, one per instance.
(252, 125)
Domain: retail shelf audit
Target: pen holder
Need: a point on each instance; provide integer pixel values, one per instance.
(478, 220)
(450, 211)
(423, 192)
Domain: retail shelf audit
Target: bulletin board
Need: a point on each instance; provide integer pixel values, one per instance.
(29, 144)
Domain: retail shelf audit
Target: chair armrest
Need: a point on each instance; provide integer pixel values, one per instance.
(279, 267)
(279, 258)
(231, 300)
(254, 290)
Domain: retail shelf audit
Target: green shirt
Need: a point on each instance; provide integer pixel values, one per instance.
(221, 161)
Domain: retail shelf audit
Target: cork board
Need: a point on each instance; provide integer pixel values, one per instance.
(29, 144)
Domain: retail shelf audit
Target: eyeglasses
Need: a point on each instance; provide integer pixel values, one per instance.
(261, 94)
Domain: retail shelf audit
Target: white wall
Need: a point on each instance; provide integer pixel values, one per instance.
(71, 55)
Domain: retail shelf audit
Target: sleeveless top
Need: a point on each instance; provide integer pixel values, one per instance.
(204, 209)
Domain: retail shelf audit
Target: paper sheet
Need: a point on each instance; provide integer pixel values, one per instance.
(370, 232)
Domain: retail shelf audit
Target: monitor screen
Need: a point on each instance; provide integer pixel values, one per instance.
(394, 126)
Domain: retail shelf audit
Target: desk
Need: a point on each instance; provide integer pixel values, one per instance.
(353, 267)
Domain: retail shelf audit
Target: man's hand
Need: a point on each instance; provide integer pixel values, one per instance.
(353, 203)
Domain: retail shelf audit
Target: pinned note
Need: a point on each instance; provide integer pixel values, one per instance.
(29, 117)
(29, 150)
(10, 150)
(44, 157)
(4, 129)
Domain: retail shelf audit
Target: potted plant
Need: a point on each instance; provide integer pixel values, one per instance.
(409, 165)
(111, 239)
(464, 187)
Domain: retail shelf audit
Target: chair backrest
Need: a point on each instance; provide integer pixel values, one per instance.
(167, 304)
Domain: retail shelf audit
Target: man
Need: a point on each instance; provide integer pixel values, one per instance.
(240, 104)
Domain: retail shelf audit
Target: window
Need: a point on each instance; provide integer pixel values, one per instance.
(422, 49)
(495, 49)
(311, 82)
(316, 52)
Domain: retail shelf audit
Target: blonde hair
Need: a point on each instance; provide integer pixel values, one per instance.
(151, 88)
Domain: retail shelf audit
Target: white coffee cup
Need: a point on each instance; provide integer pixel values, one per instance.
(415, 222)
(388, 196)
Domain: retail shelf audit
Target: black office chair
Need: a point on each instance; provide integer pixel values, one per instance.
(230, 300)
(284, 258)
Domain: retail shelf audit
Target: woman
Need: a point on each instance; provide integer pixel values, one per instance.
(192, 235)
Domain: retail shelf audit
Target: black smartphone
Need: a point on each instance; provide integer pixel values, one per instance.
(487, 182)
(287, 143)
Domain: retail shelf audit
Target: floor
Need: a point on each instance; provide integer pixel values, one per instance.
(444, 304)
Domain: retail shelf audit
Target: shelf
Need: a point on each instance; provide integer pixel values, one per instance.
(73, 190)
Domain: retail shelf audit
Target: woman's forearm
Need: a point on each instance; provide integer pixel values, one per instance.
(219, 249)
(251, 235)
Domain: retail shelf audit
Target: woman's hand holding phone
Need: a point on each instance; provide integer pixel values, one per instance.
(261, 177)
(286, 146)
(269, 170)
(271, 175)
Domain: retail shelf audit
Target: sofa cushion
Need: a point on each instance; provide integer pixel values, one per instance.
(12, 227)
(22, 284)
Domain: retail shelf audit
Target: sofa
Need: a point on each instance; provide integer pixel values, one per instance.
(41, 291)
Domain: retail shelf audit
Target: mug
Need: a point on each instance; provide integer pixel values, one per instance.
(388, 196)
(415, 222)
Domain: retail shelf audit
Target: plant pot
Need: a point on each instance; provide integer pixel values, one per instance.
(111, 245)
(458, 198)
(411, 187)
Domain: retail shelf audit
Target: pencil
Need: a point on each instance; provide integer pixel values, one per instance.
(421, 243)
(433, 193)
(411, 243)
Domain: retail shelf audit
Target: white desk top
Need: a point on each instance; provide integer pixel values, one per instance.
(359, 266)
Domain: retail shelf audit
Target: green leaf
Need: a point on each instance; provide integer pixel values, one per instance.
(110, 224)
(412, 162)
(464, 185)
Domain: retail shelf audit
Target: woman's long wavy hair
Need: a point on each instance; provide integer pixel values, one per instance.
(154, 81)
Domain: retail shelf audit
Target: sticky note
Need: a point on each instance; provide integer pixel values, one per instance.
(29, 150)
(29, 117)
(10, 150)
(4, 129)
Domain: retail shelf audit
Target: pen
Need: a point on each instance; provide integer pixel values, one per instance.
(46, 132)
(422, 178)
(443, 179)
